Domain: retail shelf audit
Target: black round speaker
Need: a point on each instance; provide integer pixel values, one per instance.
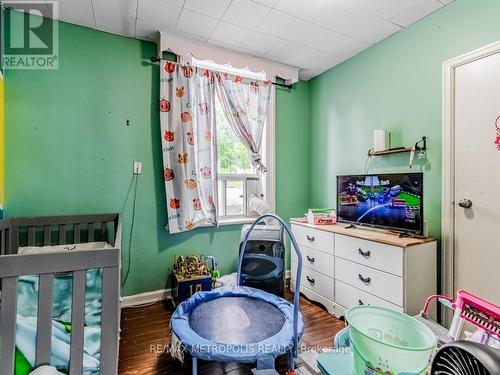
(466, 358)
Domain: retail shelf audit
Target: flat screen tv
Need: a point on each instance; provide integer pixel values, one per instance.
(392, 201)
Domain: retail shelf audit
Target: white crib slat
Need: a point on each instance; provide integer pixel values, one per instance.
(110, 319)
(44, 321)
(77, 323)
(8, 317)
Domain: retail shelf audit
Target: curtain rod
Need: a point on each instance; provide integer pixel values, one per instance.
(155, 59)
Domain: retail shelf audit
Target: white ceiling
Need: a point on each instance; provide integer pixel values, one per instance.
(314, 35)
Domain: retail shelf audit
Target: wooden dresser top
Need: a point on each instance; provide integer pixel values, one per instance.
(382, 236)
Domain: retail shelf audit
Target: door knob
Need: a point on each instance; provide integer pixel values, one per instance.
(465, 203)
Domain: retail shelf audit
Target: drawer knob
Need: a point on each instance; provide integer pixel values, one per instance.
(365, 254)
(365, 280)
(360, 303)
(310, 238)
(310, 259)
(310, 280)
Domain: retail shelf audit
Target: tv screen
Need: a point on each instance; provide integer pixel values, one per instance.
(393, 201)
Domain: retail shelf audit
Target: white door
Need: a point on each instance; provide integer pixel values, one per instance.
(477, 178)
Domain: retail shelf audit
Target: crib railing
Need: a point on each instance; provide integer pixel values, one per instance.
(12, 266)
(58, 230)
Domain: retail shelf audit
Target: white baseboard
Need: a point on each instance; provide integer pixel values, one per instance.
(145, 298)
(154, 296)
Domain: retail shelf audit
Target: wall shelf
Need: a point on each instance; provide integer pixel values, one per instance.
(419, 146)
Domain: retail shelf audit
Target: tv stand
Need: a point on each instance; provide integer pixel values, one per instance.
(407, 235)
(343, 267)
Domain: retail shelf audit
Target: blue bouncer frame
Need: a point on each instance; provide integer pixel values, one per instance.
(296, 298)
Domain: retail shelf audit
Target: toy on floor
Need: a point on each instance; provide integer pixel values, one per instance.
(467, 308)
(241, 324)
(190, 275)
(190, 266)
(214, 269)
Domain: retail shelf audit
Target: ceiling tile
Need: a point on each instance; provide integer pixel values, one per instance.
(229, 33)
(419, 9)
(328, 41)
(245, 13)
(212, 8)
(232, 47)
(334, 15)
(123, 7)
(267, 3)
(314, 35)
(114, 23)
(177, 3)
(307, 34)
(277, 24)
(259, 42)
(158, 13)
(366, 27)
(284, 50)
(78, 12)
(388, 8)
(197, 24)
(324, 13)
(301, 56)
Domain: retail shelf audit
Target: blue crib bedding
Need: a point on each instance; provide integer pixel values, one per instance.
(26, 325)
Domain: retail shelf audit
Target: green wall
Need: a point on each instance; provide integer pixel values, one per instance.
(69, 150)
(395, 85)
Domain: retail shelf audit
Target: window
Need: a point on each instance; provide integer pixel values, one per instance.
(237, 178)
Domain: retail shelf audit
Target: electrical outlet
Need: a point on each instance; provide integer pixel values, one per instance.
(137, 167)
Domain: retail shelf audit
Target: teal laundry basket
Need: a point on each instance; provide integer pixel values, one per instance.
(387, 342)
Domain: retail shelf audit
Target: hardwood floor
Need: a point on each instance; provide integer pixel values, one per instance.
(145, 337)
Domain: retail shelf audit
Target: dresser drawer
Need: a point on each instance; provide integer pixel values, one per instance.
(373, 254)
(348, 296)
(375, 282)
(316, 261)
(315, 281)
(314, 238)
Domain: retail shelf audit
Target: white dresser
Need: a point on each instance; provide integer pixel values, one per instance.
(348, 267)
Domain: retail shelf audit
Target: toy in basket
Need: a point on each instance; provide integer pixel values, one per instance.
(190, 275)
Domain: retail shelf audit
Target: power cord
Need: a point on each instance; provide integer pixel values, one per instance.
(129, 252)
(368, 163)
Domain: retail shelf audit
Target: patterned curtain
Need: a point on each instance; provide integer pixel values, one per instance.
(188, 142)
(245, 103)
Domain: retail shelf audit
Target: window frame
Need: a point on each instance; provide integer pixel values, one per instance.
(267, 179)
